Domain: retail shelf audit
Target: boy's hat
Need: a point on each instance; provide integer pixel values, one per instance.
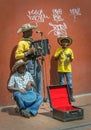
(61, 39)
(26, 27)
(18, 64)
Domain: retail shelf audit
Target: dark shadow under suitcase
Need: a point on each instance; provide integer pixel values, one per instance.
(60, 103)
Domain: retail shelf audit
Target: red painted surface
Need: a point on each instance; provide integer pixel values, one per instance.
(13, 14)
(60, 99)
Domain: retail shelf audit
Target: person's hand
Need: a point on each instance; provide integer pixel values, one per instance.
(31, 51)
(68, 55)
(22, 90)
(28, 86)
(61, 53)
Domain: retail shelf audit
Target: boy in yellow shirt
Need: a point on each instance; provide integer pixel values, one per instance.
(64, 55)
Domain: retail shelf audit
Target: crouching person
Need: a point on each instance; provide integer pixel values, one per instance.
(21, 84)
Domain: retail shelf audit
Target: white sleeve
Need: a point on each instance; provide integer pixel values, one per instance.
(11, 82)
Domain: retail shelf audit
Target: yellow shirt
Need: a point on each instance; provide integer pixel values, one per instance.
(64, 63)
(23, 46)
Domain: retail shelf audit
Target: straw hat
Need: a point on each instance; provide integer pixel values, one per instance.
(60, 40)
(26, 27)
(18, 64)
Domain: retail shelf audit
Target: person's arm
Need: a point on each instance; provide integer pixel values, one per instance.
(70, 56)
(11, 85)
(23, 50)
(31, 82)
(12, 89)
(57, 53)
(29, 85)
(19, 54)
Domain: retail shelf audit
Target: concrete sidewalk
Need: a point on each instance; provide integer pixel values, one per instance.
(11, 120)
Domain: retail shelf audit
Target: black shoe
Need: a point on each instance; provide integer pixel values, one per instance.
(25, 113)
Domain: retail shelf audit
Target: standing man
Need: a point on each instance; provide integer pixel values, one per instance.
(26, 51)
(64, 56)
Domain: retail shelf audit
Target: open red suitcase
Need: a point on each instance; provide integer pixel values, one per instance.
(60, 103)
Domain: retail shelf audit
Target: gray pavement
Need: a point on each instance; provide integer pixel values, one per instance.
(11, 120)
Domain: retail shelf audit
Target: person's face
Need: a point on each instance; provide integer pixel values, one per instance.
(64, 43)
(28, 33)
(22, 69)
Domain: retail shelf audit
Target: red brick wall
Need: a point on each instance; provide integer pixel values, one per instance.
(74, 21)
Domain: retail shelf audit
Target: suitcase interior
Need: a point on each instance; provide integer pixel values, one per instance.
(59, 98)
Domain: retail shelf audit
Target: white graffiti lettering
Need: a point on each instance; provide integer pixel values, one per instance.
(37, 15)
(59, 30)
(57, 15)
(75, 12)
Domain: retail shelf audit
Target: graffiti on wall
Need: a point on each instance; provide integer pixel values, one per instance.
(37, 15)
(57, 15)
(75, 12)
(59, 28)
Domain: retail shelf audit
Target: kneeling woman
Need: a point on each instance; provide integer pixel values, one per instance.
(22, 84)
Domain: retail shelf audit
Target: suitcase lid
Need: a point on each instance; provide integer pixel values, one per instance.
(58, 96)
